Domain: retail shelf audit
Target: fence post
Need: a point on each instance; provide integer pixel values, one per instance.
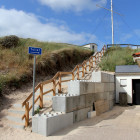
(41, 96)
(73, 76)
(89, 65)
(82, 70)
(85, 67)
(78, 72)
(54, 87)
(26, 114)
(59, 90)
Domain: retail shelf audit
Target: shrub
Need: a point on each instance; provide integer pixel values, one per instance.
(9, 41)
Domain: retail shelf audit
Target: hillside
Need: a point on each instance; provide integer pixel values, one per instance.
(16, 64)
(117, 56)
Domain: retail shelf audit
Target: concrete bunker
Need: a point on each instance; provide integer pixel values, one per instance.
(128, 81)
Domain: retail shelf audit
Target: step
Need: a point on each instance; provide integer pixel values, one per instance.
(16, 125)
(15, 119)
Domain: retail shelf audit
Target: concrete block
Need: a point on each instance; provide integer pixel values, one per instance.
(35, 123)
(112, 95)
(91, 114)
(68, 103)
(81, 114)
(80, 87)
(100, 77)
(81, 102)
(47, 126)
(90, 99)
(59, 103)
(99, 96)
(112, 78)
(112, 87)
(99, 87)
(101, 106)
(111, 104)
(106, 87)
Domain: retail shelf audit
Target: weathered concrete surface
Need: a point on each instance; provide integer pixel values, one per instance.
(102, 77)
(68, 103)
(81, 87)
(81, 114)
(46, 126)
(101, 106)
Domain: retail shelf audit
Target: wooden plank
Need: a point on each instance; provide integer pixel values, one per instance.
(41, 96)
(57, 83)
(34, 102)
(29, 97)
(66, 80)
(59, 88)
(56, 75)
(48, 91)
(54, 87)
(27, 114)
(66, 73)
(74, 68)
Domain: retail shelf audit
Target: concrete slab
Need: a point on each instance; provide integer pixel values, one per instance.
(81, 114)
(99, 87)
(48, 125)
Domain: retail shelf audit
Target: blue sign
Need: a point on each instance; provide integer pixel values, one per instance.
(36, 51)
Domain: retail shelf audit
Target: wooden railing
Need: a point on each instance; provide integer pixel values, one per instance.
(57, 82)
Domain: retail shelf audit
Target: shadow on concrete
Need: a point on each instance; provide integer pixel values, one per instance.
(89, 123)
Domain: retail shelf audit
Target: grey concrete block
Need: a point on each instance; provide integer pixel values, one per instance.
(91, 114)
(59, 103)
(35, 123)
(90, 99)
(80, 87)
(68, 103)
(111, 104)
(106, 87)
(99, 87)
(112, 86)
(100, 77)
(111, 78)
(100, 96)
(47, 126)
(82, 101)
(111, 95)
(81, 114)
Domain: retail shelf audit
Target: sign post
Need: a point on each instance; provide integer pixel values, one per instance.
(34, 51)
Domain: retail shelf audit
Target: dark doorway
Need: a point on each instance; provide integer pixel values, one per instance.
(136, 91)
(93, 107)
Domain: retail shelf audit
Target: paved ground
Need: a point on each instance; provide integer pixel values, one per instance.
(121, 123)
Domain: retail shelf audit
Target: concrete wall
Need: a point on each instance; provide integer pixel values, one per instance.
(78, 104)
(127, 88)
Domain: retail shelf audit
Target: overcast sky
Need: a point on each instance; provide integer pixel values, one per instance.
(71, 21)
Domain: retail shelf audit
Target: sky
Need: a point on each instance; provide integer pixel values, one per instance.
(71, 21)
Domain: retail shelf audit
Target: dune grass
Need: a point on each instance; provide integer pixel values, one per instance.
(16, 64)
(117, 56)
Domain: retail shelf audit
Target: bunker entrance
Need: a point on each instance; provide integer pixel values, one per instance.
(93, 107)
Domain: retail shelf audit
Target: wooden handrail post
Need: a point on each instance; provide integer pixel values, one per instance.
(85, 67)
(89, 65)
(95, 60)
(83, 71)
(26, 114)
(41, 96)
(78, 72)
(59, 90)
(72, 75)
(54, 87)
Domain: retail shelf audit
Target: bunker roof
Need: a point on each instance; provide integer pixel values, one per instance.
(127, 69)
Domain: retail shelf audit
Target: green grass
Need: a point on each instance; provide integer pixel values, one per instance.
(117, 56)
(16, 64)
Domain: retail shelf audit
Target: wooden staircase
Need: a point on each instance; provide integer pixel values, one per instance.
(44, 91)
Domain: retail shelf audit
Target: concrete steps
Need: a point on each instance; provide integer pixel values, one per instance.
(14, 116)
